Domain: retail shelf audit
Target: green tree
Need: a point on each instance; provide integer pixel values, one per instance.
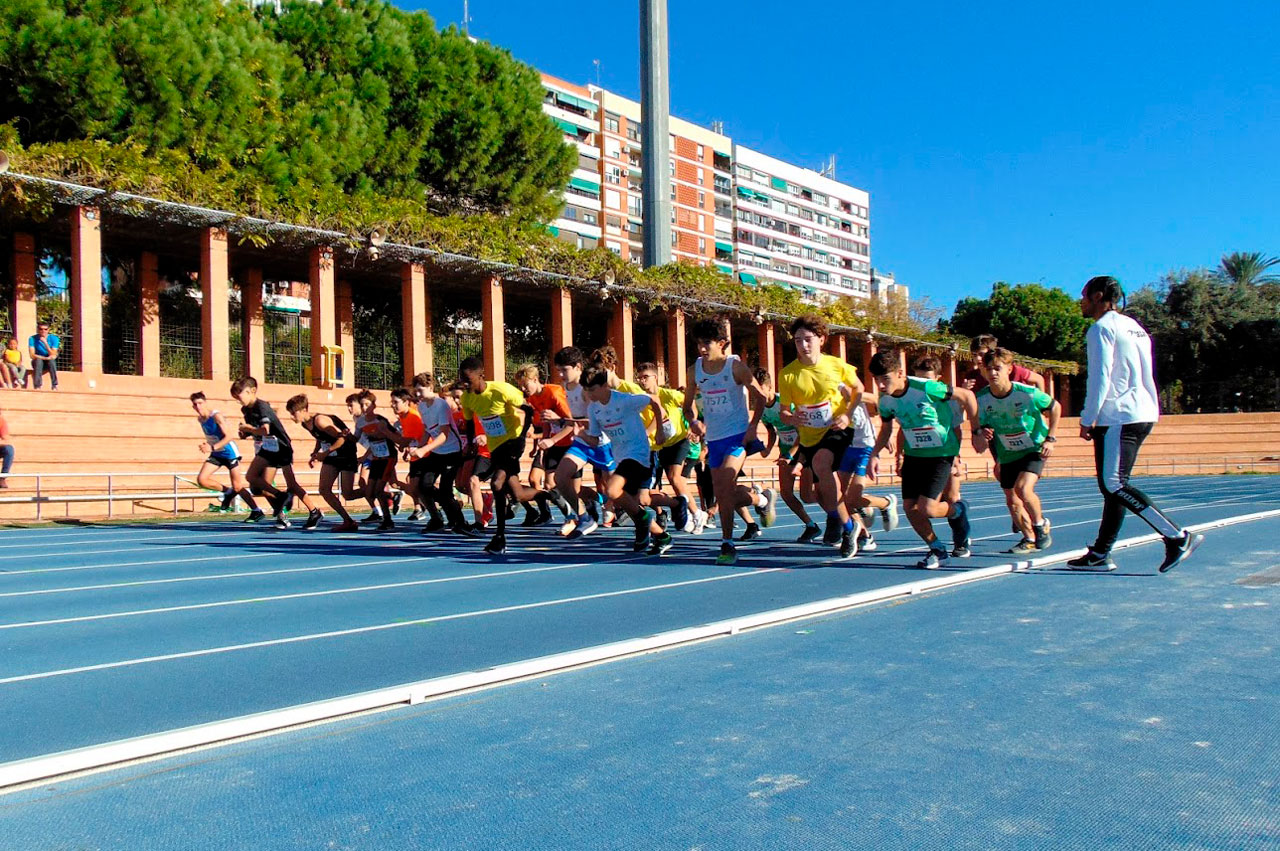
(1248, 268)
(1031, 319)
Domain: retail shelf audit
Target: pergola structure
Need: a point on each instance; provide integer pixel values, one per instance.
(336, 265)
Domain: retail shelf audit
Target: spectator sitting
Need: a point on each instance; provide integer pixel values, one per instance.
(43, 348)
(6, 452)
(12, 372)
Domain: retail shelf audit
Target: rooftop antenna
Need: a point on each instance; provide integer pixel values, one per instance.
(717, 127)
(466, 17)
(596, 62)
(829, 168)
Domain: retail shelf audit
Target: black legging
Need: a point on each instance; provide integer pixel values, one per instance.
(1115, 449)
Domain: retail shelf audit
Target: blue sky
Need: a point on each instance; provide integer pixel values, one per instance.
(999, 141)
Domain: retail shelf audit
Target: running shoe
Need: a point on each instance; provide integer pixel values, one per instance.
(511, 511)
(288, 503)
(215, 508)
(466, 530)
(1091, 561)
(750, 533)
(530, 517)
(313, 520)
(868, 515)
(281, 522)
(848, 544)
(435, 524)
(417, 514)
(228, 497)
(621, 519)
(1177, 550)
(255, 515)
(728, 553)
(609, 519)
(700, 521)
(583, 529)
(867, 542)
(566, 528)
(832, 535)
(396, 499)
(1044, 540)
(1024, 547)
(375, 517)
(646, 517)
(769, 512)
(933, 560)
(387, 525)
(661, 544)
(544, 515)
(497, 546)
(889, 514)
(712, 519)
(960, 528)
(681, 514)
(810, 532)
(345, 527)
(961, 550)
(561, 503)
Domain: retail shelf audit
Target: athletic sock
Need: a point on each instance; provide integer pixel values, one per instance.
(848, 524)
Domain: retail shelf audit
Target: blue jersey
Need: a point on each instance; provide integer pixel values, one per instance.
(214, 433)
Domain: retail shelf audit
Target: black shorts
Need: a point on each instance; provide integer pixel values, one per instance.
(673, 455)
(219, 461)
(342, 463)
(417, 468)
(278, 459)
(549, 459)
(438, 467)
(690, 467)
(635, 475)
(505, 458)
(381, 468)
(837, 440)
(925, 477)
(1032, 462)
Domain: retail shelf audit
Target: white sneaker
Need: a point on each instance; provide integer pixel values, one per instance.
(889, 514)
(699, 521)
(768, 512)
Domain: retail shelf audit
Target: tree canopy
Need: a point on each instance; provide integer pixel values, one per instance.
(1029, 318)
(355, 96)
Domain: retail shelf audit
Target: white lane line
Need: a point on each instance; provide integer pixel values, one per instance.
(340, 633)
(265, 553)
(41, 770)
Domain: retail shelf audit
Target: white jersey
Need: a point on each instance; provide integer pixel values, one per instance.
(864, 434)
(619, 419)
(724, 401)
(578, 402)
(1122, 388)
(437, 418)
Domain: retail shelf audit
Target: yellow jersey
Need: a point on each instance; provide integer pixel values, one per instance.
(495, 408)
(815, 393)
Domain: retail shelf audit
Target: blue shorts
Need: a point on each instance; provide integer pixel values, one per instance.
(855, 460)
(599, 457)
(725, 447)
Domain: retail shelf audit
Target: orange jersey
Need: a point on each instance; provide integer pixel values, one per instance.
(550, 398)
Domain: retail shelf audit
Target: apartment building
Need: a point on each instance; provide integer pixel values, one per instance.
(752, 215)
(884, 285)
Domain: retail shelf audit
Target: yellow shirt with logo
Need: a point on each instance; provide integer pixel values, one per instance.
(496, 409)
(673, 407)
(815, 393)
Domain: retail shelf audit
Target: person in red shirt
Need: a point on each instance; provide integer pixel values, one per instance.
(975, 380)
(551, 417)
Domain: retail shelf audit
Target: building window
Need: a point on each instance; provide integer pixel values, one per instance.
(611, 123)
(702, 200)
(702, 246)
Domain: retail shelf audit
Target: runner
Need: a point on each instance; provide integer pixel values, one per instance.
(1120, 409)
(376, 434)
(466, 481)
(616, 415)
(787, 438)
(599, 455)
(932, 443)
(824, 392)
(442, 453)
(929, 368)
(273, 451)
(550, 413)
(975, 380)
(723, 383)
(409, 436)
(1011, 418)
(669, 447)
(854, 480)
(222, 452)
(335, 452)
(501, 411)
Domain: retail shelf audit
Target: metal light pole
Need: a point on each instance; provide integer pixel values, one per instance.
(655, 105)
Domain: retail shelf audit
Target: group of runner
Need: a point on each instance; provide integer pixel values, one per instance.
(602, 445)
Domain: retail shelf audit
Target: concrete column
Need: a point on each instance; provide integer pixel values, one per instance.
(561, 322)
(347, 331)
(24, 289)
(214, 283)
(655, 112)
(415, 313)
(622, 338)
(148, 315)
(766, 338)
(677, 362)
(86, 288)
(255, 348)
(324, 326)
(493, 330)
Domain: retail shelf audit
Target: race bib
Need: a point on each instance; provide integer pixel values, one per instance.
(667, 431)
(615, 431)
(494, 426)
(788, 437)
(815, 416)
(716, 399)
(1017, 442)
(923, 438)
(270, 444)
(380, 449)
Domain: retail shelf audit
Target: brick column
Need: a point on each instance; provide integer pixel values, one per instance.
(86, 288)
(415, 314)
(1064, 397)
(324, 326)
(657, 348)
(493, 330)
(622, 338)
(24, 289)
(255, 348)
(216, 345)
(561, 322)
(838, 345)
(677, 362)
(148, 315)
(347, 331)
(902, 360)
(1049, 383)
(766, 338)
(869, 349)
(948, 375)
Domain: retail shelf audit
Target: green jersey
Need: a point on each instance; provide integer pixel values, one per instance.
(1016, 419)
(788, 435)
(924, 414)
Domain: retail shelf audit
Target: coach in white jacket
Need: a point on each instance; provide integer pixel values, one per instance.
(1120, 409)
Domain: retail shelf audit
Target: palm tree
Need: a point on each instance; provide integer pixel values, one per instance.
(1247, 268)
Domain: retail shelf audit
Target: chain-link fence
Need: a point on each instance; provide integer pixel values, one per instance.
(235, 332)
(287, 346)
(379, 355)
(181, 335)
(452, 348)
